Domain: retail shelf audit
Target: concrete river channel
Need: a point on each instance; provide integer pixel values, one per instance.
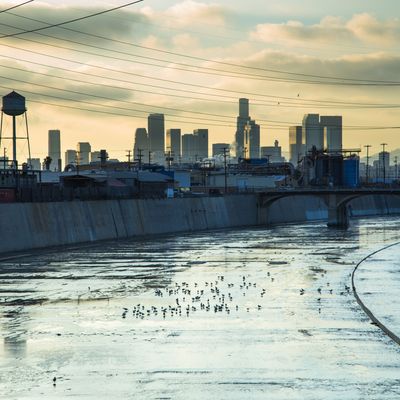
(233, 314)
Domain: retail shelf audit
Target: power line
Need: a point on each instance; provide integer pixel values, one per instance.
(60, 24)
(16, 6)
(146, 76)
(356, 82)
(193, 121)
(233, 101)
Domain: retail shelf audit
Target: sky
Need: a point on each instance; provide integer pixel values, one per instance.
(97, 79)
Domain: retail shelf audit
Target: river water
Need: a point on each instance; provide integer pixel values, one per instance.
(239, 314)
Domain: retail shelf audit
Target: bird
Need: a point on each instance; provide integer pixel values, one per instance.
(54, 381)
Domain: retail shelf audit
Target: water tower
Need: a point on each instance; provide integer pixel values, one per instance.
(14, 106)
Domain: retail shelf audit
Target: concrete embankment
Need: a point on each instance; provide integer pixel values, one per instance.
(25, 226)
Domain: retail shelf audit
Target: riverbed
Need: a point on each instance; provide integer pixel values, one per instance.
(239, 314)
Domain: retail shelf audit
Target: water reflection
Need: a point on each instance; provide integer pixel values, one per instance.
(240, 314)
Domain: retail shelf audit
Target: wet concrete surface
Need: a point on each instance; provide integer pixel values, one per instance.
(254, 313)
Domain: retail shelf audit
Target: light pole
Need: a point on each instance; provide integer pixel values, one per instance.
(384, 161)
(367, 146)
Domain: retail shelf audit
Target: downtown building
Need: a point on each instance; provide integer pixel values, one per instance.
(141, 146)
(83, 153)
(195, 146)
(156, 132)
(54, 149)
(322, 133)
(173, 143)
(247, 136)
(296, 150)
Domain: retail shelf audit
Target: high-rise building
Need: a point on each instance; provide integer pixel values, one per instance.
(70, 157)
(383, 164)
(156, 132)
(218, 149)
(34, 164)
(84, 149)
(95, 156)
(252, 140)
(313, 134)
(54, 149)
(141, 147)
(201, 143)
(295, 144)
(189, 148)
(173, 143)
(273, 153)
(241, 123)
(332, 132)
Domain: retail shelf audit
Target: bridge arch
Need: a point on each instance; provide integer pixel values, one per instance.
(336, 201)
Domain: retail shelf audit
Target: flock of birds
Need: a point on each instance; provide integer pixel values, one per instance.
(214, 297)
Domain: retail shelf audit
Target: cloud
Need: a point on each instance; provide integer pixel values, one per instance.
(124, 23)
(369, 29)
(361, 27)
(189, 12)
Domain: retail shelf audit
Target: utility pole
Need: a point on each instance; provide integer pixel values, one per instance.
(139, 157)
(225, 171)
(129, 158)
(384, 161)
(169, 159)
(367, 146)
(4, 157)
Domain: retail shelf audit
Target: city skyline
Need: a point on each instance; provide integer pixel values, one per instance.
(265, 37)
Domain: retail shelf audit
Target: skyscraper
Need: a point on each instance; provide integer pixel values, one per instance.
(247, 137)
(54, 149)
(156, 132)
(141, 147)
(313, 134)
(332, 131)
(252, 139)
(70, 157)
(241, 123)
(201, 143)
(173, 143)
(189, 148)
(83, 151)
(295, 144)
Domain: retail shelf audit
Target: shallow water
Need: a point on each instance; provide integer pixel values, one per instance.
(253, 313)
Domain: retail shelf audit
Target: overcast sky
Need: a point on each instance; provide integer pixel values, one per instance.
(192, 60)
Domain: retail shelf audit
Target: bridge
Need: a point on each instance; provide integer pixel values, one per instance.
(335, 199)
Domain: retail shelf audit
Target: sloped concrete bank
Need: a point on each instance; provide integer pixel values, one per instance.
(25, 226)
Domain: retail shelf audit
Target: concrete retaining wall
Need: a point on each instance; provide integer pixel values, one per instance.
(25, 226)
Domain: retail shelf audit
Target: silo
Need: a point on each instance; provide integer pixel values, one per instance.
(351, 172)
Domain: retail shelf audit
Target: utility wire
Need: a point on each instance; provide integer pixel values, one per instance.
(366, 81)
(60, 24)
(233, 101)
(199, 69)
(194, 120)
(275, 97)
(241, 93)
(16, 6)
